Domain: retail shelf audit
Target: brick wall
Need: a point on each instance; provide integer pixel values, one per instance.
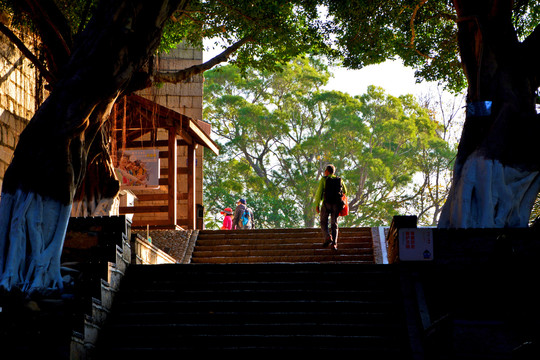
(184, 98)
(19, 98)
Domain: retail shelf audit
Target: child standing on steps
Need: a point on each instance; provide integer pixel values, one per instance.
(227, 220)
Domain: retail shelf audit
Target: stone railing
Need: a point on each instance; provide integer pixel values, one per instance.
(147, 253)
(103, 244)
(163, 246)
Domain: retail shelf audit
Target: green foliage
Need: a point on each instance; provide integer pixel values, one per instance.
(423, 35)
(356, 33)
(526, 17)
(228, 179)
(285, 128)
(76, 12)
(279, 29)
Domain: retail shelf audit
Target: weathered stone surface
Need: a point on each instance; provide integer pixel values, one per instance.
(173, 242)
(19, 98)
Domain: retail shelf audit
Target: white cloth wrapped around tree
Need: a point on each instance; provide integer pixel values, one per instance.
(32, 232)
(488, 194)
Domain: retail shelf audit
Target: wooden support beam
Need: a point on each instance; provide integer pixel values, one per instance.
(152, 197)
(137, 144)
(143, 209)
(154, 224)
(191, 187)
(186, 136)
(172, 176)
(180, 171)
(160, 197)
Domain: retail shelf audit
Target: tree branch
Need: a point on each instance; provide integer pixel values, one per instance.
(39, 11)
(413, 31)
(26, 52)
(84, 16)
(531, 47)
(182, 75)
(53, 29)
(411, 22)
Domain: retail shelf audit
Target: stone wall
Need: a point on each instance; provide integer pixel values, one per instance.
(148, 254)
(173, 242)
(20, 94)
(185, 98)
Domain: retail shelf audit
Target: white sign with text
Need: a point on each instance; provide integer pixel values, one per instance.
(415, 244)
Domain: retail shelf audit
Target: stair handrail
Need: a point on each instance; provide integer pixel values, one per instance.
(186, 259)
(160, 256)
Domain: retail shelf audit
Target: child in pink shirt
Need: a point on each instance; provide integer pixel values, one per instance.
(227, 220)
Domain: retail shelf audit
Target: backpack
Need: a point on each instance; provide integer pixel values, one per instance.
(333, 191)
(246, 218)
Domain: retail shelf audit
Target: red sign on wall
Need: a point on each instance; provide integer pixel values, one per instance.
(415, 244)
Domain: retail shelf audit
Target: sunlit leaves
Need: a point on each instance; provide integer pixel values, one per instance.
(287, 136)
(354, 32)
(526, 17)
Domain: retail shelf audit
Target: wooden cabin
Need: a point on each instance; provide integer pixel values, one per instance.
(163, 120)
(158, 147)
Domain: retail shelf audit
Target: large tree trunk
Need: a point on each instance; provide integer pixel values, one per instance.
(496, 176)
(51, 157)
(97, 193)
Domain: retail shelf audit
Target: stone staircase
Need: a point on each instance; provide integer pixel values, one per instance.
(268, 292)
(282, 246)
(269, 309)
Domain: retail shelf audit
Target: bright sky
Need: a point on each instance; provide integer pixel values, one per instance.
(392, 76)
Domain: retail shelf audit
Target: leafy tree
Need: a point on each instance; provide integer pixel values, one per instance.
(96, 52)
(228, 179)
(497, 175)
(86, 77)
(239, 110)
(287, 129)
(382, 159)
(434, 185)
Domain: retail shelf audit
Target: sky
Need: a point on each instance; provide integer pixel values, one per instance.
(392, 76)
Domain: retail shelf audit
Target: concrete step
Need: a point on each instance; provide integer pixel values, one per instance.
(366, 259)
(281, 233)
(276, 242)
(243, 251)
(194, 309)
(244, 246)
(355, 245)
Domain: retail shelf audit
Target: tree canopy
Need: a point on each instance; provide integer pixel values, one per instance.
(262, 33)
(280, 129)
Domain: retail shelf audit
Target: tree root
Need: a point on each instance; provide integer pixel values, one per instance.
(487, 194)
